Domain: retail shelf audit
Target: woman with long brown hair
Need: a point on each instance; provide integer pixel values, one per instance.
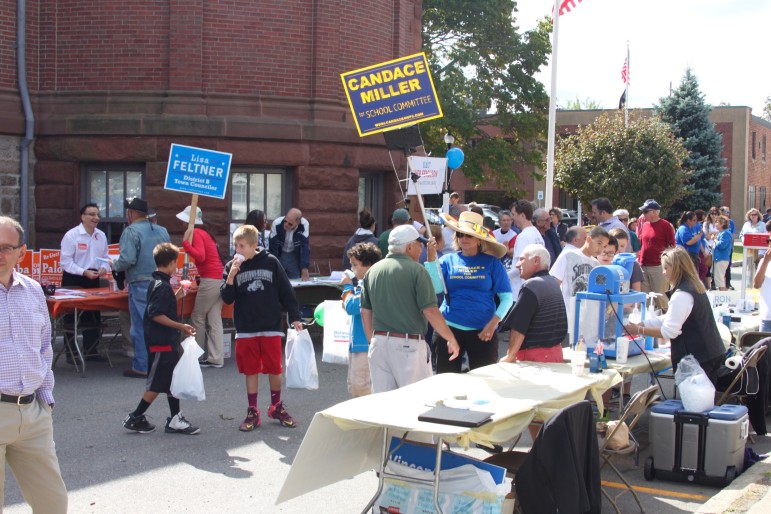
(688, 323)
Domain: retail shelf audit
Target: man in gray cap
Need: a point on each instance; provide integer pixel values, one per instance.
(137, 242)
(656, 235)
(397, 298)
(398, 218)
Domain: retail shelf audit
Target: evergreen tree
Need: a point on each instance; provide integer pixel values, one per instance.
(688, 114)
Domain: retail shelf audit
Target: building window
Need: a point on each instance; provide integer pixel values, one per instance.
(108, 186)
(371, 196)
(262, 189)
(762, 191)
(763, 149)
(751, 197)
(754, 144)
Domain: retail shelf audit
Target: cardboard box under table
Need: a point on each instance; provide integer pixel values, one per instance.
(702, 447)
(352, 437)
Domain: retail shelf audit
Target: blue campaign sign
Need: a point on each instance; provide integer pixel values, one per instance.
(391, 94)
(198, 171)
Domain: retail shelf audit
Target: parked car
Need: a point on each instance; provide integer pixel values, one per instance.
(569, 217)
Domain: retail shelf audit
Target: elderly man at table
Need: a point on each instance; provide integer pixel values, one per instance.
(136, 259)
(396, 300)
(538, 321)
(26, 382)
(80, 249)
(290, 243)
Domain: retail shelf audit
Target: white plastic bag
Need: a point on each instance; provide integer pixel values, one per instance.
(337, 333)
(187, 380)
(301, 372)
(696, 391)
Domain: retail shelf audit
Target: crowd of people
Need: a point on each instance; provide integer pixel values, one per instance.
(454, 287)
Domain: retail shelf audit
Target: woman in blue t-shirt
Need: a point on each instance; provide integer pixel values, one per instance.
(473, 278)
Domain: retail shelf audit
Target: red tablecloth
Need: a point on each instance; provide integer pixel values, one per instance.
(99, 299)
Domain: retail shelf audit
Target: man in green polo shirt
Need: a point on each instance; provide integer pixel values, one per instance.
(397, 300)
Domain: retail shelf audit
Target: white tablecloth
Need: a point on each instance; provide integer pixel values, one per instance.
(347, 439)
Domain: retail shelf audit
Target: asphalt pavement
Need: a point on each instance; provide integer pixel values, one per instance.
(110, 470)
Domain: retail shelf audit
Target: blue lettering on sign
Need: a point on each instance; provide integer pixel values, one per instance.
(198, 171)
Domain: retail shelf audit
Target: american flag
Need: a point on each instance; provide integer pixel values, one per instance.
(625, 71)
(567, 5)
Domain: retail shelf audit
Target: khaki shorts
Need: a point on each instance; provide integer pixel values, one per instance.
(359, 380)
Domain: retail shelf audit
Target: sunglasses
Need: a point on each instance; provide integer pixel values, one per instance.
(623, 219)
(461, 235)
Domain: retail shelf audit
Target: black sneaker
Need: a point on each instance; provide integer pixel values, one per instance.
(209, 364)
(138, 424)
(179, 425)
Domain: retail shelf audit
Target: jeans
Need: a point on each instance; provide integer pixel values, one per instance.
(137, 305)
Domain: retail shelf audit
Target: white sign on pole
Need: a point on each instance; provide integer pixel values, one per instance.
(540, 195)
(431, 171)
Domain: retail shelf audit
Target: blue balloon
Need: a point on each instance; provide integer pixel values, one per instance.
(455, 158)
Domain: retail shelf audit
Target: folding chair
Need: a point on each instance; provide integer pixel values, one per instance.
(561, 472)
(748, 339)
(632, 414)
(745, 374)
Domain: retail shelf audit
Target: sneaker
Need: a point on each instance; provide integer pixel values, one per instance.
(138, 424)
(251, 421)
(209, 364)
(278, 411)
(179, 425)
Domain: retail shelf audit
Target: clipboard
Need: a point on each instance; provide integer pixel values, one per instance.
(457, 417)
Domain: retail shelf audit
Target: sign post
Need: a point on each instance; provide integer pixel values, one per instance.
(197, 171)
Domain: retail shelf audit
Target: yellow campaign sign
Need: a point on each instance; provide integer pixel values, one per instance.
(391, 94)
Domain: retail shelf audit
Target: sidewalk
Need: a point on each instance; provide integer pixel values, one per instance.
(748, 493)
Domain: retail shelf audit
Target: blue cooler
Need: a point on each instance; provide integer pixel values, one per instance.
(702, 447)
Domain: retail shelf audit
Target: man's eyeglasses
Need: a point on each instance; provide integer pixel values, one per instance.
(609, 254)
(7, 249)
(623, 219)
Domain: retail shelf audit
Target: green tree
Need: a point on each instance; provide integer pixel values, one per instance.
(688, 115)
(625, 164)
(484, 69)
(579, 105)
(767, 109)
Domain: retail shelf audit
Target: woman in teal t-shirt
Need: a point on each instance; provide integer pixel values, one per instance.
(472, 278)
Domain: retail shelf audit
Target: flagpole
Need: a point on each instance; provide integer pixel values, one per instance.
(552, 110)
(628, 75)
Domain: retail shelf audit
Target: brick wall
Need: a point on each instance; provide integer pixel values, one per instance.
(759, 168)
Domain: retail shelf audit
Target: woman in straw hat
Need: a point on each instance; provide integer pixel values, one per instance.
(471, 278)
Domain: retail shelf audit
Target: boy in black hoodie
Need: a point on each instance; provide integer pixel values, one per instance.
(256, 281)
(162, 340)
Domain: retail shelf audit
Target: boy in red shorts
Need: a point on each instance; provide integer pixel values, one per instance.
(257, 283)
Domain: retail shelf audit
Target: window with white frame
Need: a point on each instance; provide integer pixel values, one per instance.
(108, 185)
(251, 189)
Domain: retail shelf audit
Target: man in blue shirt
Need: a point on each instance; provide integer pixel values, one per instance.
(136, 259)
(726, 211)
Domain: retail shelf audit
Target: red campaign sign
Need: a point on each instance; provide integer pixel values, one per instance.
(50, 268)
(26, 265)
(756, 240)
(192, 270)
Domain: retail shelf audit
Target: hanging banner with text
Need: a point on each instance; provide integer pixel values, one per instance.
(391, 94)
(431, 171)
(198, 171)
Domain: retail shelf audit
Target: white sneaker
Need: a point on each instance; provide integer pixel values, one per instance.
(179, 425)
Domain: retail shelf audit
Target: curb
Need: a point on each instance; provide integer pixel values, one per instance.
(750, 488)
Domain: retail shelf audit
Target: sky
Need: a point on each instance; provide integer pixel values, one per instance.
(724, 42)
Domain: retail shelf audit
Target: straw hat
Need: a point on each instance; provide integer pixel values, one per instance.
(471, 223)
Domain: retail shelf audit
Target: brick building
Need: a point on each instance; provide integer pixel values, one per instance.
(113, 86)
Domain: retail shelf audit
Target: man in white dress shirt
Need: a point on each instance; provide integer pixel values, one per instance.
(80, 249)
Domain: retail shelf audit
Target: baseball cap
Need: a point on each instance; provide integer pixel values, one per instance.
(650, 205)
(404, 234)
(400, 215)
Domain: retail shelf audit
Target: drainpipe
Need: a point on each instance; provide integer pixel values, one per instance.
(29, 117)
